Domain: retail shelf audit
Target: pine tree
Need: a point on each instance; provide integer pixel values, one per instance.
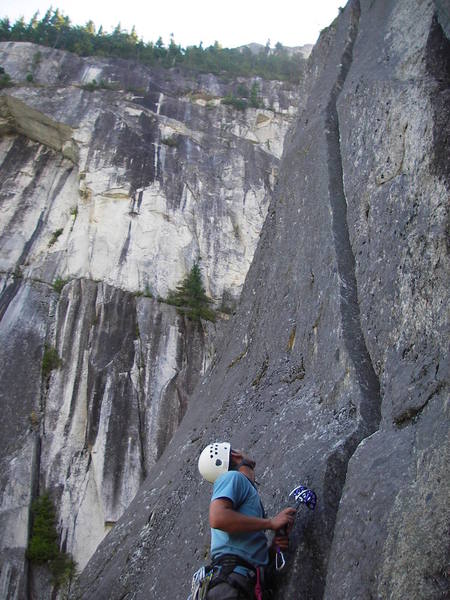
(43, 545)
(254, 96)
(190, 297)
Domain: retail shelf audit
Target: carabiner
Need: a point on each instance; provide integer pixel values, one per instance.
(279, 560)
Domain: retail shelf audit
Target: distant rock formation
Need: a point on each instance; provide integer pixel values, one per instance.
(302, 51)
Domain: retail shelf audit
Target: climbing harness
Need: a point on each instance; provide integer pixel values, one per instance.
(219, 572)
(301, 495)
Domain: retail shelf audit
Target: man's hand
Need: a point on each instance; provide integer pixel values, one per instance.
(284, 519)
(280, 542)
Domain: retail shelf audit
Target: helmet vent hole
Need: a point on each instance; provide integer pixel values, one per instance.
(218, 462)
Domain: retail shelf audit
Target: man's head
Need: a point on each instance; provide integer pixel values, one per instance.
(218, 458)
(243, 463)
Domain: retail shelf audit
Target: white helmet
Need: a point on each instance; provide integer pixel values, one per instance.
(214, 460)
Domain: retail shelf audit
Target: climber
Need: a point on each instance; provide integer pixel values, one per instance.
(239, 546)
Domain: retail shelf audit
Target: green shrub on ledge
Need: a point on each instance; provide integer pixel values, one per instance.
(43, 548)
(5, 79)
(50, 360)
(55, 236)
(237, 103)
(59, 283)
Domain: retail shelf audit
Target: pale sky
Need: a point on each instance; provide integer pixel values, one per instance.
(231, 22)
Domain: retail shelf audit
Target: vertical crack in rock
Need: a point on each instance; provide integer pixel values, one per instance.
(75, 313)
(140, 393)
(370, 405)
(351, 318)
(35, 492)
(438, 65)
(125, 247)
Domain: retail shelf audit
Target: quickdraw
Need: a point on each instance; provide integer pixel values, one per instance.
(200, 583)
(279, 560)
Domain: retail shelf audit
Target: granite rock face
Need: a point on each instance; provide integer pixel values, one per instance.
(153, 171)
(109, 193)
(334, 371)
(90, 426)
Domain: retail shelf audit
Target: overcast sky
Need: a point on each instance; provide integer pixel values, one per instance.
(231, 22)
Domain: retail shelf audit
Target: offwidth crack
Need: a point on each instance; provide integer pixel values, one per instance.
(351, 318)
(370, 405)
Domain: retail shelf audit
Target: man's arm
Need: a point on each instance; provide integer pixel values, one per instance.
(223, 516)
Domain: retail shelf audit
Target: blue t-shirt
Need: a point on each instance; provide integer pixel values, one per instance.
(251, 546)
